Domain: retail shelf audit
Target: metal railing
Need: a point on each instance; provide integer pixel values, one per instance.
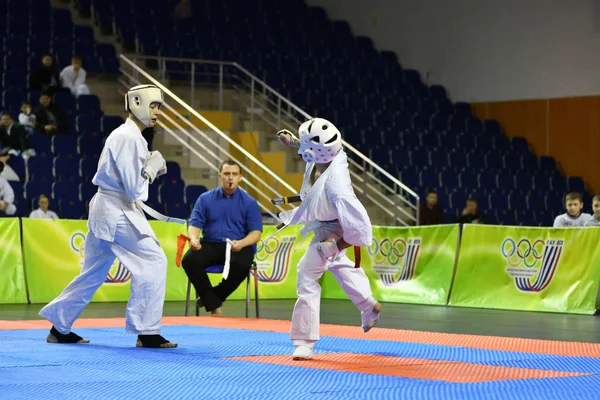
(203, 142)
(265, 107)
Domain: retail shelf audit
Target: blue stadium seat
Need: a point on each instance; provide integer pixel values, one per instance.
(71, 208)
(89, 104)
(171, 193)
(491, 126)
(517, 201)
(88, 124)
(110, 122)
(18, 165)
(487, 180)
(575, 184)
(519, 145)
(468, 180)
(65, 191)
(65, 101)
(410, 178)
(506, 217)
(458, 200)
(493, 161)
(87, 190)
(65, 166)
(448, 180)
(535, 201)
(64, 146)
(173, 175)
(523, 182)
(90, 145)
(505, 181)
(558, 183)
(39, 168)
(547, 164)
(541, 183)
(33, 189)
(429, 179)
(41, 144)
(498, 201)
(88, 167)
(177, 210)
(192, 192)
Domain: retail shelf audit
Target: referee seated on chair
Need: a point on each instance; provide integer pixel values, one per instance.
(224, 213)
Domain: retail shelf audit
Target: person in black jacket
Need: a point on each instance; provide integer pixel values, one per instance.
(13, 137)
(51, 120)
(45, 78)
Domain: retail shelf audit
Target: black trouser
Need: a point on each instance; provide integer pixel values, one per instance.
(195, 264)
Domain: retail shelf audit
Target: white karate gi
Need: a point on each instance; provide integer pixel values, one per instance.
(40, 214)
(331, 198)
(7, 195)
(75, 84)
(118, 228)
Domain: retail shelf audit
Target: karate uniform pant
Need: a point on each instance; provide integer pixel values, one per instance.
(354, 282)
(141, 255)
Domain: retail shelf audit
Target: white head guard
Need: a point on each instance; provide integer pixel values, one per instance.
(139, 98)
(320, 141)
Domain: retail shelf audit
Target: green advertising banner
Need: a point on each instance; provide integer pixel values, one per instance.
(406, 265)
(533, 269)
(12, 275)
(54, 252)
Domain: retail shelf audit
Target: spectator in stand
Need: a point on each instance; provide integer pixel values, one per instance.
(51, 119)
(45, 78)
(13, 138)
(470, 214)
(7, 197)
(27, 118)
(573, 217)
(42, 212)
(595, 220)
(73, 77)
(430, 212)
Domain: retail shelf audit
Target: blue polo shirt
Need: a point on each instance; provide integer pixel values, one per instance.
(221, 217)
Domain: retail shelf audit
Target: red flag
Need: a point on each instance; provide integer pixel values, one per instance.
(181, 242)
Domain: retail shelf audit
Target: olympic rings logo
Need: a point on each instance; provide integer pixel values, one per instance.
(77, 242)
(523, 252)
(391, 252)
(264, 250)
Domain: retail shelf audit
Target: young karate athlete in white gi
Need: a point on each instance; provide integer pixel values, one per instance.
(118, 229)
(331, 210)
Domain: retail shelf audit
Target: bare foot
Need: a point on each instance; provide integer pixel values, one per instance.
(216, 312)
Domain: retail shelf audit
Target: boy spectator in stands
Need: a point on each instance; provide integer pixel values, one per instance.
(430, 212)
(73, 77)
(51, 119)
(27, 118)
(13, 138)
(45, 78)
(43, 212)
(595, 220)
(573, 217)
(470, 214)
(7, 197)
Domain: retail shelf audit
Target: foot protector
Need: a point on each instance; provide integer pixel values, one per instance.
(56, 337)
(154, 342)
